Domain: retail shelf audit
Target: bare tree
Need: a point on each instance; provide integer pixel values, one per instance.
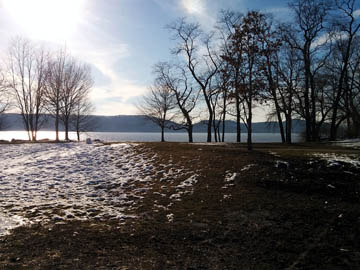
(346, 26)
(176, 79)
(82, 119)
(202, 68)
(246, 54)
(350, 102)
(224, 86)
(309, 37)
(232, 54)
(157, 104)
(26, 79)
(77, 85)
(4, 101)
(55, 84)
(270, 46)
(288, 69)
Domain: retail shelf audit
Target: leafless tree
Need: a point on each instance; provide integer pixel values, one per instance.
(190, 39)
(246, 54)
(349, 105)
(346, 27)
(176, 79)
(82, 119)
(4, 101)
(223, 80)
(309, 35)
(270, 42)
(157, 105)
(25, 79)
(232, 54)
(77, 84)
(55, 84)
(288, 77)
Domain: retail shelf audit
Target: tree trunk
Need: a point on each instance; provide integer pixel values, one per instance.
(66, 130)
(190, 133)
(307, 64)
(162, 134)
(315, 136)
(215, 130)
(218, 131)
(249, 124)
(278, 114)
(288, 128)
(57, 125)
(238, 120)
(223, 118)
(209, 127)
(223, 129)
(249, 133)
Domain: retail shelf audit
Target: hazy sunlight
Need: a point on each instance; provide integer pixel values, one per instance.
(193, 6)
(50, 20)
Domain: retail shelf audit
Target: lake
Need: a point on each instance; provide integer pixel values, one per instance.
(145, 136)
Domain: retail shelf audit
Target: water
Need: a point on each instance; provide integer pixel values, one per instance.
(144, 136)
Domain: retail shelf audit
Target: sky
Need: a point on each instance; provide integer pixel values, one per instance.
(120, 39)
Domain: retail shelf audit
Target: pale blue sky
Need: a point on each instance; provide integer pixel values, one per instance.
(120, 39)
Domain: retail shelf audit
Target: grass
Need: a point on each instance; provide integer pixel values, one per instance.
(296, 215)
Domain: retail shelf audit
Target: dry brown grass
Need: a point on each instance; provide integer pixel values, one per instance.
(269, 218)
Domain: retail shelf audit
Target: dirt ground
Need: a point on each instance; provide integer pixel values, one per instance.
(283, 209)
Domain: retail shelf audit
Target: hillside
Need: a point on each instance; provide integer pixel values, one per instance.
(138, 123)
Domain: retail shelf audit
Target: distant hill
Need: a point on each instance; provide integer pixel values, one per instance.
(139, 123)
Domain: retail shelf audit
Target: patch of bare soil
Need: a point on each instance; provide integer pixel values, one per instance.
(246, 210)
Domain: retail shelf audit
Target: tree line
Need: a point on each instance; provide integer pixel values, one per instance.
(39, 82)
(305, 68)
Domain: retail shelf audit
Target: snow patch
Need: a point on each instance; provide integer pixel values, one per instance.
(247, 167)
(47, 182)
(230, 177)
(188, 182)
(334, 159)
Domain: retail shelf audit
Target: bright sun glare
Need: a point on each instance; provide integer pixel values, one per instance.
(193, 6)
(50, 20)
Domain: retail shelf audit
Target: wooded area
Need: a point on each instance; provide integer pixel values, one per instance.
(38, 83)
(306, 68)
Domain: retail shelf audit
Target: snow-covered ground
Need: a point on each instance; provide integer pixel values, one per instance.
(42, 182)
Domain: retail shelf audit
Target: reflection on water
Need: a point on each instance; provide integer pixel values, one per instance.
(142, 137)
(22, 135)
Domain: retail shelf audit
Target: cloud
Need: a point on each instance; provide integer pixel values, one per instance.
(94, 44)
(202, 11)
(105, 52)
(194, 6)
(357, 13)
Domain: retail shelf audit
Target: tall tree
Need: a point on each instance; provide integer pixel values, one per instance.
(157, 104)
(81, 119)
(26, 79)
(4, 101)
(270, 45)
(288, 69)
(77, 85)
(176, 79)
(246, 52)
(346, 27)
(55, 85)
(231, 52)
(201, 67)
(309, 37)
